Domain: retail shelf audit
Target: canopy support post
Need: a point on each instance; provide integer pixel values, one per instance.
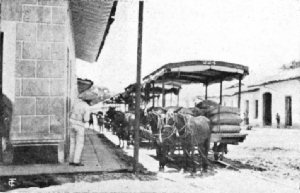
(239, 95)
(172, 95)
(206, 85)
(171, 100)
(221, 89)
(178, 97)
(153, 94)
(138, 88)
(163, 95)
(157, 101)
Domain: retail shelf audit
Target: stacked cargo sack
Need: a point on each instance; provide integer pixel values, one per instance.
(225, 119)
(205, 106)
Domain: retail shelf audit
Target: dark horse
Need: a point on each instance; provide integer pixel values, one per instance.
(123, 124)
(130, 119)
(192, 131)
(121, 127)
(109, 116)
(118, 124)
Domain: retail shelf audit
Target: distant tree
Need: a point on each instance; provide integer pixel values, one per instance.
(96, 94)
(294, 64)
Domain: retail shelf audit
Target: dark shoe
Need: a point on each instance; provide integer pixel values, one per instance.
(78, 164)
(71, 163)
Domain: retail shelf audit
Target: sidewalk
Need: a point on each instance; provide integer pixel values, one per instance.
(96, 157)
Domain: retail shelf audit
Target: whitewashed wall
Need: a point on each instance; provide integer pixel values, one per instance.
(279, 91)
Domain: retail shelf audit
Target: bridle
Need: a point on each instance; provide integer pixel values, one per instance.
(172, 133)
(160, 121)
(185, 126)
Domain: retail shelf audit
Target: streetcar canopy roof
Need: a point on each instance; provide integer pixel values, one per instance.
(206, 72)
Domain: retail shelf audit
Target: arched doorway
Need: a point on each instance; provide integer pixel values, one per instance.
(267, 108)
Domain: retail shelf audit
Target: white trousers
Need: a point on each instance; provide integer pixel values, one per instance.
(76, 144)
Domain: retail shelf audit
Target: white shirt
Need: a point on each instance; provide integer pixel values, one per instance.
(79, 113)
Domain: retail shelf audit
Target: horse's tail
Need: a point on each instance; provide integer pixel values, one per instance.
(207, 143)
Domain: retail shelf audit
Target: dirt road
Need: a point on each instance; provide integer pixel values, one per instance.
(264, 144)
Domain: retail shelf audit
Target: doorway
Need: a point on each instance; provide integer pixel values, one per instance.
(288, 111)
(267, 109)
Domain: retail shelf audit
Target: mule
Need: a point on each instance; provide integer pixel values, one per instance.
(193, 131)
(166, 145)
(164, 134)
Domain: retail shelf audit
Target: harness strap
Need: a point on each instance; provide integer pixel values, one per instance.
(186, 125)
(173, 131)
(160, 124)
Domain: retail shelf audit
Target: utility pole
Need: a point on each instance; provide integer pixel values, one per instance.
(221, 89)
(138, 88)
(1, 94)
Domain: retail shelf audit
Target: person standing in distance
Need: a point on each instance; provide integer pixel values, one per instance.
(278, 120)
(78, 117)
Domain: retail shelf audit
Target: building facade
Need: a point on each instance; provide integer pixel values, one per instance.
(274, 95)
(42, 39)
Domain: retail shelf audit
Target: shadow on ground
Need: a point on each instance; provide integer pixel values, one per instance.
(178, 162)
(46, 180)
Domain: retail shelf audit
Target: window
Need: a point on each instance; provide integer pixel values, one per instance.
(256, 109)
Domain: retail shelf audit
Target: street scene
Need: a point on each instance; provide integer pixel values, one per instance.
(150, 96)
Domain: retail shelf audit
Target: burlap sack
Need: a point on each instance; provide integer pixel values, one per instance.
(226, 129)
(226, 119)
(194, 111)
(206, 104)
(223, 109)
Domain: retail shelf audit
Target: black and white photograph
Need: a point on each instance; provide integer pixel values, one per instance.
(150, 96)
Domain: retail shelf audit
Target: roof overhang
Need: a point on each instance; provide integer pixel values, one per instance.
(247, 91)
(274, 81)
(91, 22)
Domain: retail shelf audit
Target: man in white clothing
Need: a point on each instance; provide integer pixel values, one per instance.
(78, 117)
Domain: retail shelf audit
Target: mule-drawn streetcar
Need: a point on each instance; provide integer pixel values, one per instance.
(226, 120)
(195, 127)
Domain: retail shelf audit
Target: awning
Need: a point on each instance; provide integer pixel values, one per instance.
(84, 84)
(91, 23)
